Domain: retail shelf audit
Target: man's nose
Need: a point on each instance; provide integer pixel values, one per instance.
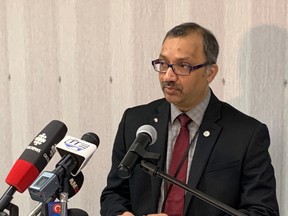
(169, 75)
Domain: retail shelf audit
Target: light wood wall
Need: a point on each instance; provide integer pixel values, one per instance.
(84, 62)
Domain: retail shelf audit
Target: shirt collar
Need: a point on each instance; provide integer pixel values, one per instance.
(196, 113)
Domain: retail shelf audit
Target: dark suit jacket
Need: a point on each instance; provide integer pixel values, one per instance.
(232, 164)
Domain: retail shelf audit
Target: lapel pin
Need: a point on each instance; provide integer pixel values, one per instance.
(155, 119)
(206, 133)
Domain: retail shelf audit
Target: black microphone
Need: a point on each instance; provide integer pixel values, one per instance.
(33, 160)
(77, 212)
(145, 135)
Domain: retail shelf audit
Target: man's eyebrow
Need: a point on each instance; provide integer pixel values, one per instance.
(178, 59)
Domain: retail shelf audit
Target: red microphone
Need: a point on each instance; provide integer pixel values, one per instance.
(33, 160)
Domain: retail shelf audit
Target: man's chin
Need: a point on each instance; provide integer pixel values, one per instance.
(172, 98)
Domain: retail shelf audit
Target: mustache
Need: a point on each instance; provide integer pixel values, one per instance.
(168, 84)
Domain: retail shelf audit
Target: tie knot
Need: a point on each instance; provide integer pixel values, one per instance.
(184, 119)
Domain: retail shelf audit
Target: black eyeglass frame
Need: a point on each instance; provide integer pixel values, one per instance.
(192, 68)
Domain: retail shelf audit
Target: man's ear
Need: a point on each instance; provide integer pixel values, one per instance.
(212, 71)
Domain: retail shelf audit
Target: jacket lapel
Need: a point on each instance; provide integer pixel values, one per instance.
(159, 120)
(208, 134)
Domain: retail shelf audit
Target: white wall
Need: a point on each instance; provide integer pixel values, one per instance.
(85, 62)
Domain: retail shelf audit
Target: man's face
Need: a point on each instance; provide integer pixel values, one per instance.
(185, 92)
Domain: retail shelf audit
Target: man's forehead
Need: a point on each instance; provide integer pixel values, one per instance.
(192, 44)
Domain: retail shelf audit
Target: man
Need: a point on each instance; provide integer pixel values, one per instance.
(227, 151)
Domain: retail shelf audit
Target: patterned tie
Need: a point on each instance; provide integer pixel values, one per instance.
(175, 196)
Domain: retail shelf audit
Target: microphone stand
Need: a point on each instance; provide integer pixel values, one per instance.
(7, 197)
(148, 165)
(13, 210)
(41, 208)
(36, 210)
(64, 196)
(154, 171)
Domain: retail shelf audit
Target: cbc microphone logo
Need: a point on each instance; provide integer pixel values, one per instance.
(40, 139)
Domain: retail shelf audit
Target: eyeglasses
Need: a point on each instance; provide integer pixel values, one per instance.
(183, 69)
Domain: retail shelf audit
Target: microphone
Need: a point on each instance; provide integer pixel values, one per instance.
(145, 135)
(76, 153)
(49, 182)
(38, 186)
(33, 160)
(47, 185)
(77, 212)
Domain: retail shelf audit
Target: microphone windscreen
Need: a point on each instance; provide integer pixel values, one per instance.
(77, 212)
(36, 156)
(148, 129)
(91, 138)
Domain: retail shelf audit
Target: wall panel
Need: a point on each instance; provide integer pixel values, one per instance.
(85, 62)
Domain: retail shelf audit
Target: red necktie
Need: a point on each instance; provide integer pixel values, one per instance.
(175, 196)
